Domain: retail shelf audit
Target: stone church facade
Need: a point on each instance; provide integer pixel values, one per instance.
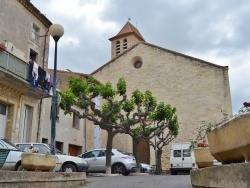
(198, 89)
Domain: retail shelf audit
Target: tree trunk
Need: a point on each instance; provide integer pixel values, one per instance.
(136, 154)
(109, 152)
(159, 154)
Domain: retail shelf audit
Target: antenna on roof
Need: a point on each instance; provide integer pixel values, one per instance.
(129, 18)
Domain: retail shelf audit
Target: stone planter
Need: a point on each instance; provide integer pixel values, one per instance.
(203, 157)
(230, 142)
(38, 162)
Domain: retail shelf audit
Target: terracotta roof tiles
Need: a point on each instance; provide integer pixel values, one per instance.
(128, 28)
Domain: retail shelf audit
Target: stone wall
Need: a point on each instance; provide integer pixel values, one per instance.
(198, 89)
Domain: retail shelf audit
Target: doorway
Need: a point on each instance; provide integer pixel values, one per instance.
(27, 121)
(144, 152)
(3, 119)
(74, 150)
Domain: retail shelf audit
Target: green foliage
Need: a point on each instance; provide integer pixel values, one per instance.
(67, 100)
(139, 131)
(166, 114)
(174, 125)
(107, 91)
(128, 105)
(93, 87)
(149, 98)
(137, 97)
(112, 110)
(121, 86)
(77, 86)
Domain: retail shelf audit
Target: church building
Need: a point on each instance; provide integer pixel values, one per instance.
(198, 89)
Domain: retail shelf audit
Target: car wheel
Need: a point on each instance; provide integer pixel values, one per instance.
(173, 173)
(69, 168)
(20, 168)
(119, 169)
(127, 173)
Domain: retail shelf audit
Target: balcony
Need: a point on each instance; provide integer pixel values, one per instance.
(15, 73)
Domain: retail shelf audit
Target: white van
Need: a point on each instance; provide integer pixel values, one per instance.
(181, 158)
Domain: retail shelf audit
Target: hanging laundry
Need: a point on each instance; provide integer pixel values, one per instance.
(41, 78)
(47, 86)
(33, 74)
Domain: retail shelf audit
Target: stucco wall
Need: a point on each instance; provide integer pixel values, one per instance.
(16, 23)
(16, 28)
(16, 100)
(198, 90)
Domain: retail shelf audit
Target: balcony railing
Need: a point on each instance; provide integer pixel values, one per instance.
(13, 65)
(19, 70)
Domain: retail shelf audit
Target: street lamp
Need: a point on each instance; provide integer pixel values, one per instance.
(56, 31)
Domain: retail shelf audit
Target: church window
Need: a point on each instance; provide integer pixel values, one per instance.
(138, 64)
(117, 47)
(125, 43)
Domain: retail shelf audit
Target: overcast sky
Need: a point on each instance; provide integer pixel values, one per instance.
(212, 30)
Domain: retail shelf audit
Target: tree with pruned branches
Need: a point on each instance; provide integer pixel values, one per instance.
(117, 114)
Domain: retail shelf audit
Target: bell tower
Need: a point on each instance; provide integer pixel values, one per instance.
(127, 37)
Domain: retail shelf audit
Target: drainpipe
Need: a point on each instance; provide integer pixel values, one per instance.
(41, 100)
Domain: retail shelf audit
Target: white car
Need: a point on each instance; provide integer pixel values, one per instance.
(146, 168)
(12, 159)
(121, 162)
(64, 163)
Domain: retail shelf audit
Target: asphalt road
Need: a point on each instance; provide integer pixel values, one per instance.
(139, 181)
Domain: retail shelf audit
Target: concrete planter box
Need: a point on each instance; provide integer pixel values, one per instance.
(38, 162)
(230, 142)
(203, 157)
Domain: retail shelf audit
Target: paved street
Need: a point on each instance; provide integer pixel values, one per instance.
(144, 181)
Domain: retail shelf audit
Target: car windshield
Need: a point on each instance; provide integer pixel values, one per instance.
(10, 145)
(57, 150)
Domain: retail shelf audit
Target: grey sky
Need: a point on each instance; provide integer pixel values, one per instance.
(212, 30)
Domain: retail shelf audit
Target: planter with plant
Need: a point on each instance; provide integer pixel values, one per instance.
(203, 157)
(230, 142)
(34, 161)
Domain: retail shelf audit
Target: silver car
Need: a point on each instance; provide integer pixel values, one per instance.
(121, 163)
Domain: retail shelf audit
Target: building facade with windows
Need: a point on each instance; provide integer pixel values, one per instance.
(23, 37)
(198, 89)
(25, 108)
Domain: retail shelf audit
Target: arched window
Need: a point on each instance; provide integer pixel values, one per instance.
(125, 44)
(118, 47)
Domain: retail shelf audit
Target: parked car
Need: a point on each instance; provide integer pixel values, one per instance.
(13, 160)
(64, 163)
(121, 162)
(146, 168)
